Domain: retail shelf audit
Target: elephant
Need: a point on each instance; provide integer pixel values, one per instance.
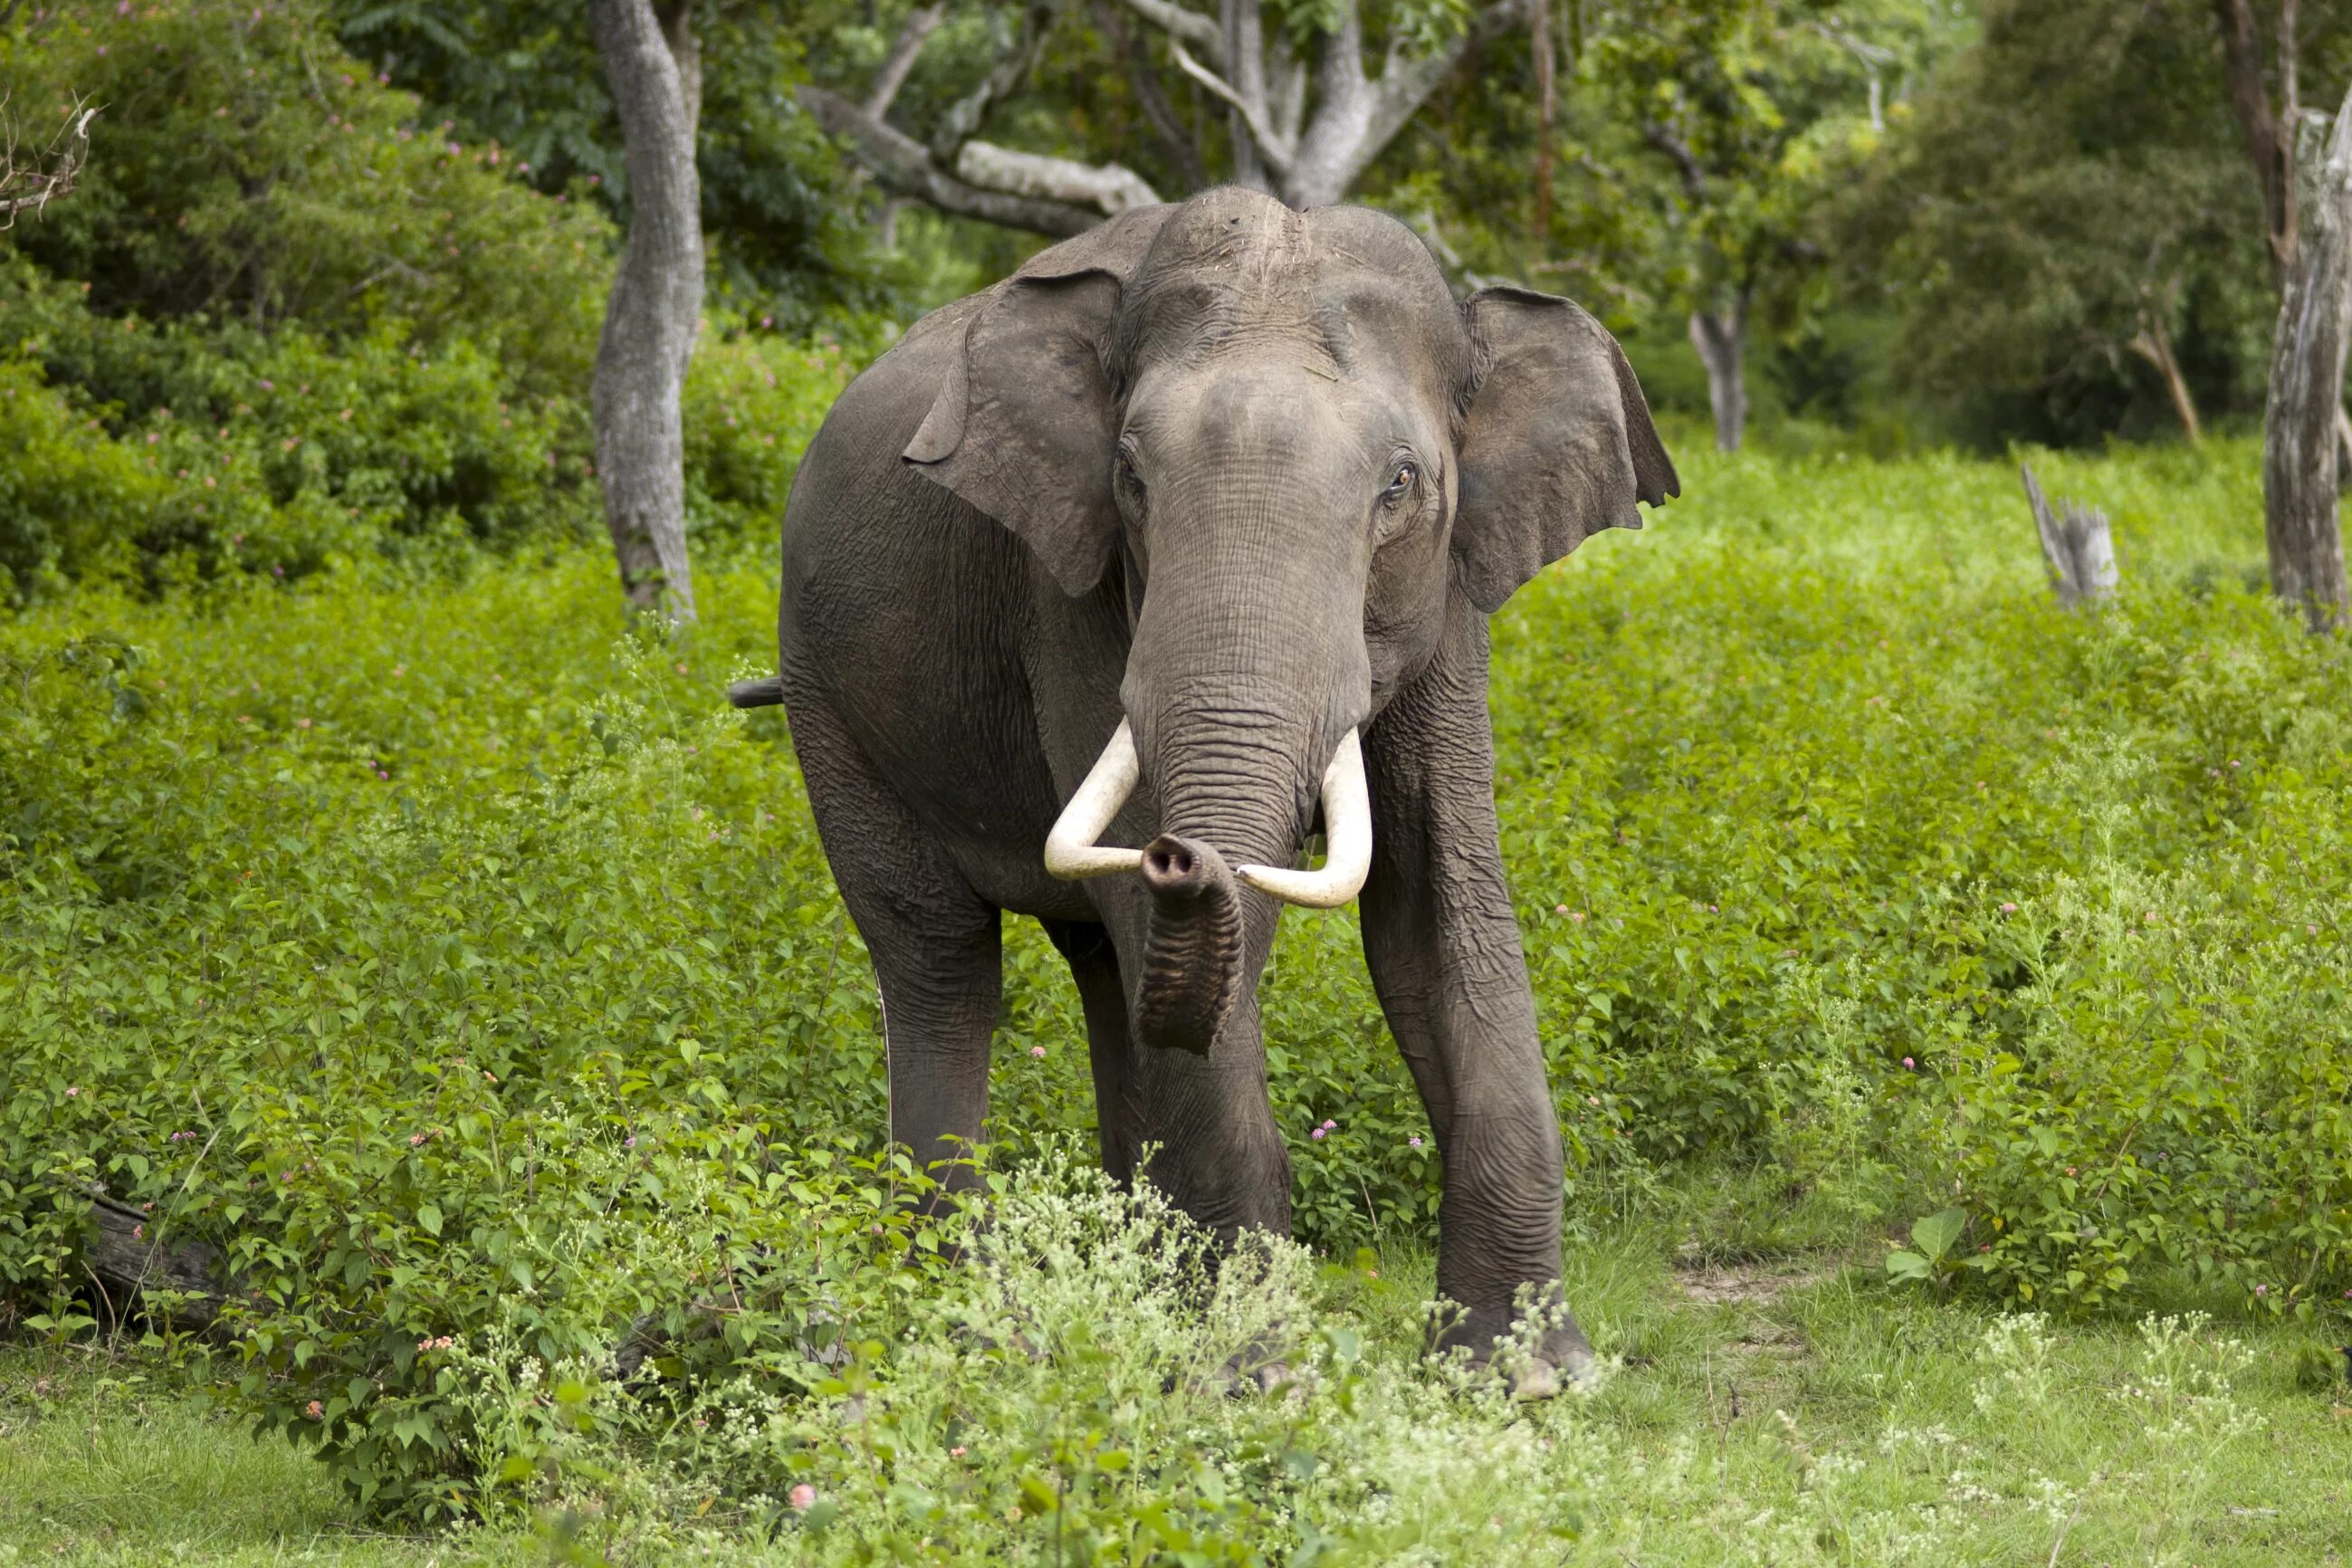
(1106, 587)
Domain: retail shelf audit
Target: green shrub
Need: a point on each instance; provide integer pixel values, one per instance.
(286, 871)
(245, 169)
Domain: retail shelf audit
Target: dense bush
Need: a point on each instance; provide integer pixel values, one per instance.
(379, 353)
(363, 930)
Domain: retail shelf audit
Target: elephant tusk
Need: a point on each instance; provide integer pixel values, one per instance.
(1348, 837)
(1071, 852)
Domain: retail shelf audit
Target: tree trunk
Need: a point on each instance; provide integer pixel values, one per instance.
(2307, 385)
(2268, 135)
(1547, 111)
(656, 71)
(1245, 61)
(1721, 339)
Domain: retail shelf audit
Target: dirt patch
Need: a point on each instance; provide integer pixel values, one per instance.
(1744, 1284)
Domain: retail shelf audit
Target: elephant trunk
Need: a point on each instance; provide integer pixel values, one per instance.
(1193, 952)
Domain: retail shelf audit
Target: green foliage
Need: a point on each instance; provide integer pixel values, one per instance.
(246, 170)
(360, 930)
(780, 221)
(379, 357)
(2064, 195)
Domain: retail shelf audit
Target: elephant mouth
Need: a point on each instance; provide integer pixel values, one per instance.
(1192, 974)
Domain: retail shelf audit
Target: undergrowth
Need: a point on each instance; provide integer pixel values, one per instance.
(466, 971)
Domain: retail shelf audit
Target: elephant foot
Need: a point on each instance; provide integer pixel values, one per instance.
(1540, 1352)
(1250, 1373)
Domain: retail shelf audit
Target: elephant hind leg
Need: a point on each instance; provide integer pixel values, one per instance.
(936, 943)
(1119, 1113)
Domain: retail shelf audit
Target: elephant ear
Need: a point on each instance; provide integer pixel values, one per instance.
(1558, 443)
(1025, 425)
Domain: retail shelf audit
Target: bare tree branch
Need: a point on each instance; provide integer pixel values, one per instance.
(887, 80)
(1203, 33)
(1406, 82)
(1113, 188)
(1166, 125)
(904, 165)
(1012, 70)
(1694, 173)
(1270, 144)
(52, 172)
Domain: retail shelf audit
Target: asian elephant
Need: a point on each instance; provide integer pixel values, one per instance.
(1104, 586)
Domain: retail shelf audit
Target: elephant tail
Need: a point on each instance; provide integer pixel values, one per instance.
(765, 693)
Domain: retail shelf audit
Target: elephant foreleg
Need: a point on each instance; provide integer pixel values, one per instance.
(1094, 964)
(1443, 945)
(936, 943)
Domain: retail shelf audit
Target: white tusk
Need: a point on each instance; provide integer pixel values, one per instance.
(1348, 840)
(1071, 852)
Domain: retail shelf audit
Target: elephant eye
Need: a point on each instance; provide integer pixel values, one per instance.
(1401, 482)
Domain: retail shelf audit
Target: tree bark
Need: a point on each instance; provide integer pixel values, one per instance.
(2300, 439)
(656, 72)
(1721, 339)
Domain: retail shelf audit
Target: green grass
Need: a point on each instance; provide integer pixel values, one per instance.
(1789, 1411)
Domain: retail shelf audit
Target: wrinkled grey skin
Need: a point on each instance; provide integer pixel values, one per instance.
(1249, 478)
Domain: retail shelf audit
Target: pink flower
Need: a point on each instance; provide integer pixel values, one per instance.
(802, 1497)
(2070, 1170)
(314, 1410)
(72, 1092)
(1559, 909)
(1330, 1125)
(2009, 908)
(1413, 1141)
(1037, 1050)
(415, 1139)
(1908, 1063)
(1578, 916)
(956, 1452)
(1319, 1133)
(2262, 1289)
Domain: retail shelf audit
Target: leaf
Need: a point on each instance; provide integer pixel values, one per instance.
(1906, 1266)
(429, 1216)
(1937, 1231)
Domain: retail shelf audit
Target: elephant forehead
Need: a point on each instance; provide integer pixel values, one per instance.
(1356, 299)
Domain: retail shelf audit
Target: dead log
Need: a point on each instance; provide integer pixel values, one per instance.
(140, 1270)
(2076, 546)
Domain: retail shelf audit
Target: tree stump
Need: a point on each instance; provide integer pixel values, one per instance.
(2076, 545)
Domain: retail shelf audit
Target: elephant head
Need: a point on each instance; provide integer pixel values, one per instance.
(1286, 446)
